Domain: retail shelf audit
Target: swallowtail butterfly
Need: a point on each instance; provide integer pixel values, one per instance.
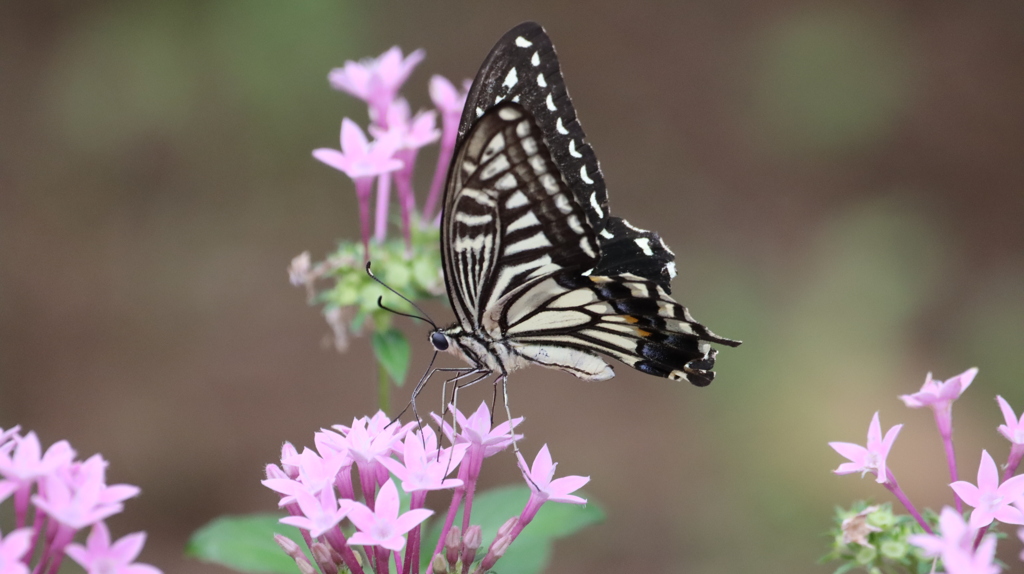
(536, 268)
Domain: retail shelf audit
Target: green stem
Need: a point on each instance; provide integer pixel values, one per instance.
(383, 388)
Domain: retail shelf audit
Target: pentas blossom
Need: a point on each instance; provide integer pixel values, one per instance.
(99, 556)
(872, 458)
(378, 445)
(13, 549)
(450, 102)
(320, 512)
(954, 544)
(65, 495)
(376, 81)
(990, 499)
(362, 161)
(384, 526)
(1013, 430)
(411, 133)
(543, 488)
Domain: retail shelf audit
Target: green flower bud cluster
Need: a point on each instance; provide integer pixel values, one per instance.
(871, 538)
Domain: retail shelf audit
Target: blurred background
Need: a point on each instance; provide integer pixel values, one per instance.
(843, 184)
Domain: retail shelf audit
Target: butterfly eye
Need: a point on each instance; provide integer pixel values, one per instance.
(439, 341)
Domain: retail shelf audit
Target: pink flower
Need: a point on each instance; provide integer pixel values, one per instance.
(872, 458)
(423, 468)
(29, 463)
(13, 548)
(939, 396)
(539, 478)
(80, 497)
(1013, 430)
(477, 432)
(990, 499)
(954, 536)
(383, 526)
(361, 161)
(376, 81)
(98, 556)
(450, 103)
(320, 512)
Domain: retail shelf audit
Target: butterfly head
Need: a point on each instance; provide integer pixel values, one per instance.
(439, 340)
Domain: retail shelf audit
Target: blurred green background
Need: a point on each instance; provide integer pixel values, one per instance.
(843, 184)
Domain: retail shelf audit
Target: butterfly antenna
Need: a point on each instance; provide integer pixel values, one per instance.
(380, 301)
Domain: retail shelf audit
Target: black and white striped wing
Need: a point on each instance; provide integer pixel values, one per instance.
(508, 218)
(520, 261)
(523, 68)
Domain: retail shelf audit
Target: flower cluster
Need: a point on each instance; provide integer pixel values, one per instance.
(867, 537)
(377, 159)
(54, 496)
(318, 489)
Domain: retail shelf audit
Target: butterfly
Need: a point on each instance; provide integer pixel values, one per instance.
(538, 272)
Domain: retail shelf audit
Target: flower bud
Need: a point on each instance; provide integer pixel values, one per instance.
(496, 551)
(507, 527)
(453, 545)
(322, 555)
(304, 566)
(439, 564)
(471, 541)
(288, 545)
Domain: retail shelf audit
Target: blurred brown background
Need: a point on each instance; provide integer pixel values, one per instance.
(843, 184)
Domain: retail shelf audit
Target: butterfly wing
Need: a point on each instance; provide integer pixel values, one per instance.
(533, 261)
(523, 68)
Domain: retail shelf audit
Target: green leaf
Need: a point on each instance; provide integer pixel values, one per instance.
(393, 352)
(531, 551)
(245, 543)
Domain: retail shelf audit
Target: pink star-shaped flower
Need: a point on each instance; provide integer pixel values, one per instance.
(320, 512)
(423, 468)
(1013, 430)
(13, 548)
(476, 430)
(99, 556)
(29, 462)
(539, 478)
(361, 161)
(80, 497)
(872, 458)
(990, 499)
(939, 396)
(358, 157)
(383, 526)
(376, 81)
(954, 536)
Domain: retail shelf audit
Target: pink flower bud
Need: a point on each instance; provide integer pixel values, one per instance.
(439, 564)
(453, 544)
(288, 545)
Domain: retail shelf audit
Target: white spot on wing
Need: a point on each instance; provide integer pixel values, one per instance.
(534, 241)
(528, 220)
(523, 42)
(511, 79)
(562, 203)
(586, 247)
(671, 267)
(583, 174)
(518, 199)
(551, 103)
(535, 59)
(561, 129)
(506, 182)
(508, 114)
(572, 147)
(541, 81)
(596, 205)
(473, 220)
(479, 112)
(645, 245)
(606, 234)
(588, 272)
(574, 224)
